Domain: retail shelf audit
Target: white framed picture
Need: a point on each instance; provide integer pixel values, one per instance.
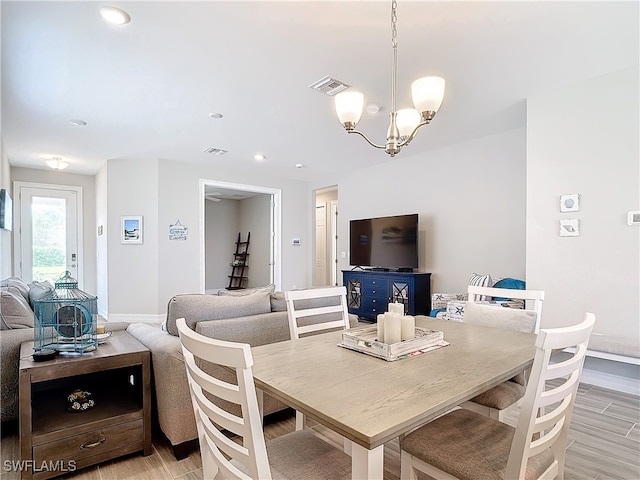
(570, 227)
(570, 202)
(131, 230)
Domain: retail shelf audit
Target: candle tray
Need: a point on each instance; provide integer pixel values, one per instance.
(365, 340)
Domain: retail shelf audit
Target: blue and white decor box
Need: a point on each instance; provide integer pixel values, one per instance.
(66, 318)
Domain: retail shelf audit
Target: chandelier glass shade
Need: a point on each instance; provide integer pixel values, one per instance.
(427, 94)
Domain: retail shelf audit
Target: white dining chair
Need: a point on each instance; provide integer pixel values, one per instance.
(469, 446)
(497, 401)
(295, 455)
(314, 310)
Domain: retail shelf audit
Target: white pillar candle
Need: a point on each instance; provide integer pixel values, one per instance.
(380, 326)
(392, 328)
(397, 308)
(408, 327)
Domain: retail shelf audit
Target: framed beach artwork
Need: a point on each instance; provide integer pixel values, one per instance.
(131, 230)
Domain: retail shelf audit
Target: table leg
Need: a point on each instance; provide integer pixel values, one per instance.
(367, 463)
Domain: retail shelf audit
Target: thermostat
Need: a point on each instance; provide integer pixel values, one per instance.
(295, 242)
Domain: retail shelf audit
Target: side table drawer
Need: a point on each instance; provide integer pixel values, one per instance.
(88, 444)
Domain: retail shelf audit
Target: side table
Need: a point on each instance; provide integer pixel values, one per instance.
(54, 440)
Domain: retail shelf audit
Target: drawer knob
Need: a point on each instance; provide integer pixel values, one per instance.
(93, 445)
(373, 301)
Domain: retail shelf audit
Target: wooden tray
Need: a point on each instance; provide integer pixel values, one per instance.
(365, 340)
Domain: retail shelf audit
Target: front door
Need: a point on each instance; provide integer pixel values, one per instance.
(48, 232)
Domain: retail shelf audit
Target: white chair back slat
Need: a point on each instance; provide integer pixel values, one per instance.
(218, 452)
(296, 309)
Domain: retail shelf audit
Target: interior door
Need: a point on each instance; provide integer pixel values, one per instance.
(321, 246)
(49, 232)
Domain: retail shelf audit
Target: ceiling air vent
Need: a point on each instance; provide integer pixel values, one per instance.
(329, 85)
(217, 151)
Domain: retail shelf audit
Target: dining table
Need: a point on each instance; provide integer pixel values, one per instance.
(370, 401)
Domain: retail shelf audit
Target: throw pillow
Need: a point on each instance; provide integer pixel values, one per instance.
(37, 290)
(481, 281)
(18, 283)
(278, 303)
(499, 317)
(14, 309)
(513, 284)
(195, 308)
(246, 291)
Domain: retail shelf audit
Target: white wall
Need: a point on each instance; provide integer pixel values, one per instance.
(178, 197)
(6, 253)
(87, 182)
(221, 224)
(585, 139)
(134, 278)
(102, 250)
(470, 198)
(255, 217)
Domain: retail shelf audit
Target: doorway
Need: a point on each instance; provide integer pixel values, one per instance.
(229, 209)
(49, 228)
(326, 234)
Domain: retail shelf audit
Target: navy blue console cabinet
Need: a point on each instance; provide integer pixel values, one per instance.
(369, 292)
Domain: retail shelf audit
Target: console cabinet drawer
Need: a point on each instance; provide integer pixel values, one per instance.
(84, 445)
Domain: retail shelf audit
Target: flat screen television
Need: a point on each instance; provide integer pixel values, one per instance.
(384, 242)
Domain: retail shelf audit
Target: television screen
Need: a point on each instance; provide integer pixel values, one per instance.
(384, 242)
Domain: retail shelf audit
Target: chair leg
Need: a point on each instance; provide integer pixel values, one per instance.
(299, 420)
(406, 467)
(260, 397)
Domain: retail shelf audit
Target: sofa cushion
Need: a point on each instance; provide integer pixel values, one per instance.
(195, 308)
(246, 291)
(15, 309)
(18, 284)
(500, 317)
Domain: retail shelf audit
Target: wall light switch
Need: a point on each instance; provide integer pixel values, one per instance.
(343, 254)
(633, 218)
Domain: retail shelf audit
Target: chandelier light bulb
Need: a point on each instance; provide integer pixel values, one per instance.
(407, 120)
(349, 107)
(427, 94)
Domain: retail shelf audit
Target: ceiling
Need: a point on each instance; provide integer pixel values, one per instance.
(146, 89)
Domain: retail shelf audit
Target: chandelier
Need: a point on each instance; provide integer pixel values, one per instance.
(427, 94)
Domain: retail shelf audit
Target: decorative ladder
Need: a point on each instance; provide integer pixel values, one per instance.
(239, 264)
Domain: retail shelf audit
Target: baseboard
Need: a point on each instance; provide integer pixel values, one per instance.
(135, 318)
(612, 382)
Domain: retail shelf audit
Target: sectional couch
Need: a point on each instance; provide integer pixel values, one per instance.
(256, 317)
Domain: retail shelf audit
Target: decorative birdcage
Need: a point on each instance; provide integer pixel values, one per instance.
(66, 318)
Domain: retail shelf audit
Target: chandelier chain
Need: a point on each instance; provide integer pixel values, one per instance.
(394, 44)
(394, 20)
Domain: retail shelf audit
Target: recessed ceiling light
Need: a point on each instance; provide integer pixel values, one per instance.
(77, 122)
(259, 157)
(57, 163)
(114, 15)
(299, 165)
(215, 115)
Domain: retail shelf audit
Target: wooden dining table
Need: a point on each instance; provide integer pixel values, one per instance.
(370, 401)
